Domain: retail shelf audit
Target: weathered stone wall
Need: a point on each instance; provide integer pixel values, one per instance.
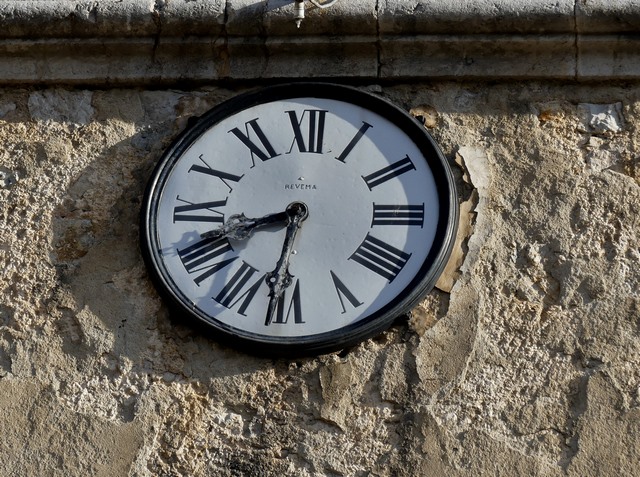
(524, 361)
(528, 365)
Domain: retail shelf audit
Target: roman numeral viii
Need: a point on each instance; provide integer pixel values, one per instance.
(386, 173)
(380, 257)
(384, 214)
(200, 257)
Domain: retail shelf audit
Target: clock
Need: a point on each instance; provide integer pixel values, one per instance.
(299, 219)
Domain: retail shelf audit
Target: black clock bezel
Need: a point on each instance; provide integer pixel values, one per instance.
(368, 326)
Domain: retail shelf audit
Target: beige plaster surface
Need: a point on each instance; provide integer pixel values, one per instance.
(526, 360)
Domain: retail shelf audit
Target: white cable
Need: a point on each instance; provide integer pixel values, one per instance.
(323, 5)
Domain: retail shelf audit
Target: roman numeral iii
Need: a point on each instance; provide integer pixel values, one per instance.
(384, 214)
(380, 257)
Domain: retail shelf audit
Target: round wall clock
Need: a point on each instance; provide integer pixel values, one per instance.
(299, 219)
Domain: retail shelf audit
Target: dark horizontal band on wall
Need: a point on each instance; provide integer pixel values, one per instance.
(163, 42)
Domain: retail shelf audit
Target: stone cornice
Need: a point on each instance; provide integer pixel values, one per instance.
(111, 42)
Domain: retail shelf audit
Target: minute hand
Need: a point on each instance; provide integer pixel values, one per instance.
(280, 279)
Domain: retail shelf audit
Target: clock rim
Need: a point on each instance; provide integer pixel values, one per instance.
(370, 325)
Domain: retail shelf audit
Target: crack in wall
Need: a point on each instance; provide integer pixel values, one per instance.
(576, 44)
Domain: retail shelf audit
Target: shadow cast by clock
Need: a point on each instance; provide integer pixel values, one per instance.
(108, 315)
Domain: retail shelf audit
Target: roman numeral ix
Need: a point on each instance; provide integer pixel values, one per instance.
(186, 213)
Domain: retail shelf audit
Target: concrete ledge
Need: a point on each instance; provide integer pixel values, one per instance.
(169, 41)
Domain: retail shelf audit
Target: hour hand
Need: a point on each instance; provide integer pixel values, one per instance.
(240, 227)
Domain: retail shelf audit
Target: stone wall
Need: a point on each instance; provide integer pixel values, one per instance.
(525, 360)
(529, 365)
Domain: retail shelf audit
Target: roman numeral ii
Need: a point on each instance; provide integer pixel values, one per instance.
(386, 173)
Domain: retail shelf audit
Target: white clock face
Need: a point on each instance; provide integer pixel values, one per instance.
(373, 219)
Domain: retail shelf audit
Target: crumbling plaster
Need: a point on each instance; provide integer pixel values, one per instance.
(524, 361)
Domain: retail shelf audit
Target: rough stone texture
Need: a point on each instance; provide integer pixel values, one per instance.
(529, 365)
(194, 42)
